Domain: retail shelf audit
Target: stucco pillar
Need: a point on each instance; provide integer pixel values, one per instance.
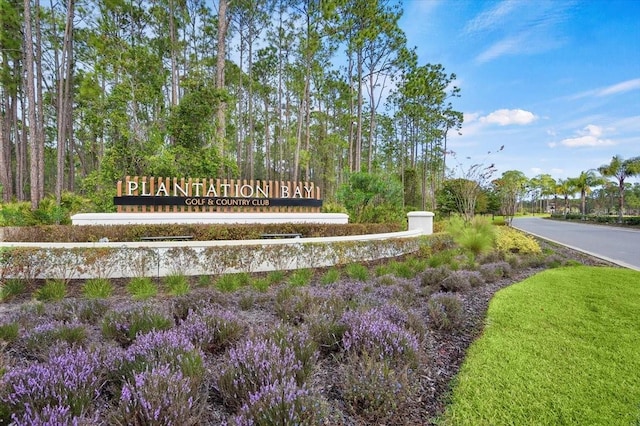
(422, 221)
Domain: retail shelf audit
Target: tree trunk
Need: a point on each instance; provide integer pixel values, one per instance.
(64, 101)
(223, 24)
(31, 109)
(39, 103)
(5, 152)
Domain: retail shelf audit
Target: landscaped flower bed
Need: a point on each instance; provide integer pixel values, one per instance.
(341, 346)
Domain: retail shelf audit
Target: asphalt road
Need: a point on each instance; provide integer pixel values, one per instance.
(617, 245)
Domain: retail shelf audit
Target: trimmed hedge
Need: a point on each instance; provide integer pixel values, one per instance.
(605, 219)
(201, 232)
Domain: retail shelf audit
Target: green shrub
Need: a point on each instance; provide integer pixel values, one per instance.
(204, 280)
(261, 284)
(476, 237)
(357, 271)
(177, 284)
(52, 290)
(510, 240)
(9, 332)
(12, 288)
(402, 269)
(382, 270)
(97, 288)
(300, 277)
(142, 288)
(372, 198)
(227, 283)
(17, 214)
(445, 257)
(331, 276)
(276, 277)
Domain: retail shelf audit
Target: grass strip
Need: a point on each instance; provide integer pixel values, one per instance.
(560, 348)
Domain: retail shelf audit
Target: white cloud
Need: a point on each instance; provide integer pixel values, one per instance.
(590, 136)
(514, 27)
(490, 18)
(625, 86)
(505, 117)
(614, 89)
(470, 117)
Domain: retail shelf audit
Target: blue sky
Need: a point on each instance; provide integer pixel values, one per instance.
(556, 82)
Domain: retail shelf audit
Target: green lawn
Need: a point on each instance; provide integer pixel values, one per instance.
(560, 348)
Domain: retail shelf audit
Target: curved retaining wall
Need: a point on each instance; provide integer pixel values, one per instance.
(121, 260)
(158, 259)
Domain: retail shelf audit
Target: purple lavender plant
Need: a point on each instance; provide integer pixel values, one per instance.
(169, 347)
(370, 332)
(124, 323)
(47, 416)
(160, 396)
(253, 364)
(69, 378)
(376, 389)
(212, 329)
(280, 403)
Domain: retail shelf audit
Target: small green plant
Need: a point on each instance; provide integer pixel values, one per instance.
(330, 276)
(52, 290)
(204, 280)
(357, 271)
(97, 288)
(445, 257)
(300, 277)
(9, 332)
(276, 277)
(12, 288)
(261, 284)
(382, 270)
(142, 288)
(402, 269)
(177, 284)
(228, 283)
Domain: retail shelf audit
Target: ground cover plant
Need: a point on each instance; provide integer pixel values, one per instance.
(559, 348)
(316, 347)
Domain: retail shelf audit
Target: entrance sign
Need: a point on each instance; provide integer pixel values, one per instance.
(156, 194)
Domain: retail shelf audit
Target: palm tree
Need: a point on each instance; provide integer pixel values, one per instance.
(565, 188)
(584, 183)
(620, 170)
